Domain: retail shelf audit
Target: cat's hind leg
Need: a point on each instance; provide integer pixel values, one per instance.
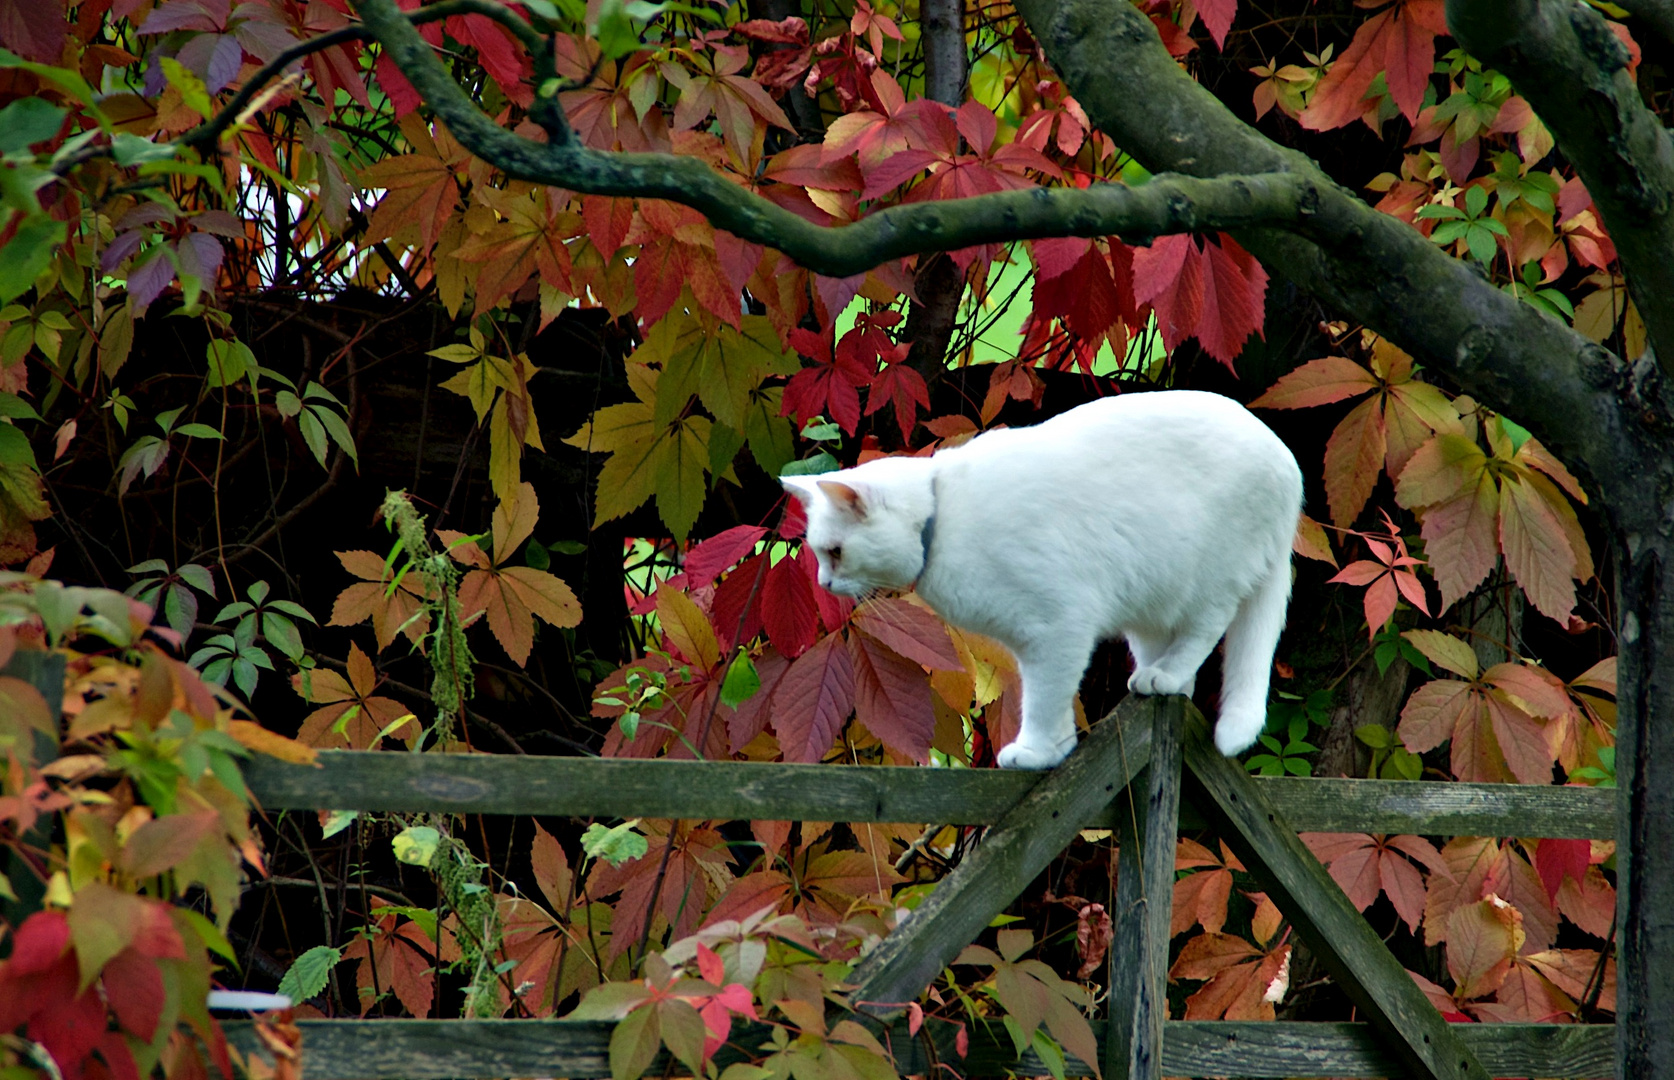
(1051, 675)
(1250, 641)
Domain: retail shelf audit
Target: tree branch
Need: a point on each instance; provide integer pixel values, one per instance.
(938, 286)
(1603, 416)
(1563, 58)
(1166, 205)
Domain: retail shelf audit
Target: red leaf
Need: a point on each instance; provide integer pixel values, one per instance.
(902, 386)
(134, 988)
(910, 630)
(1399, 41)
(834, 610)
(608, 221)
(34, 29)
(38, 943)
(1217, 18)
(706, 559)
(892, 698)
(505, 63)
(1169, 276)
(787, 608)
(1556, 860)
(737, 608)
(814, 698)
(1234, 288)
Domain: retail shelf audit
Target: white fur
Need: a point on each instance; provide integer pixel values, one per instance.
(1163, 518)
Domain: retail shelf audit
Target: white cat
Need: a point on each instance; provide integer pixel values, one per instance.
(1163, 518)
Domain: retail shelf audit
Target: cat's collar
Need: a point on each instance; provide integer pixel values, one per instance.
(926, 537)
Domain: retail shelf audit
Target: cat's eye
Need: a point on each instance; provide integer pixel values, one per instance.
(835, 554)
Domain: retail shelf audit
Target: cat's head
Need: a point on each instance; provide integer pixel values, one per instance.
(863, 533)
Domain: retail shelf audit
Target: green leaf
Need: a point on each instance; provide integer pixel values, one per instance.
(822, 431)
(196, 576)
(615, 845)
(617, 38)
(741, 682)
(336, 821)
(199, 431)
(131, 150)
(281, 632)
(165, 420)
(636, 1039)
(1050, 1053)
(15, 408)
(27, 253)
(229, 361)
(1376, 736)
(416, 845)
(821, 462)
(27, 121)
(314, 434)
(308, 975)
(338, 430)
(15, 448)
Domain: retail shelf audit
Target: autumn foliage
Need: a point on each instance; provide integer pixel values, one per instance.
(194, 338)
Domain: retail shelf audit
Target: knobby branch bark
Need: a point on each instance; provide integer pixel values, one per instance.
(1563, 58)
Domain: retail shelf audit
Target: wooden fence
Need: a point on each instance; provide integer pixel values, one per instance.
(1161, 746)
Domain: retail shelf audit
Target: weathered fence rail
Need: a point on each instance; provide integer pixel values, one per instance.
(1160, 746)
(449, 1049)
(732, 791)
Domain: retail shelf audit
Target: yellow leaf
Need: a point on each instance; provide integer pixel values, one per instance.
(505, 453)
(681, 458)
(687, 628)
(1311, 541)
(1445, 650)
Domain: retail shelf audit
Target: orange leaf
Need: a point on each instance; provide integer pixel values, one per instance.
(1353, 458)
(1482, 939)
(1399, 42)
(1318, 382)
(263, 741)
(1537, 550)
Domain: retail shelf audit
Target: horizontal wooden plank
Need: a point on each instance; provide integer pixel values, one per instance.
(620, 787)
(1220, 1048)
(485, 1049)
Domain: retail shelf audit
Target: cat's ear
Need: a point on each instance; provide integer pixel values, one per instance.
(845, 497)
(802, 489)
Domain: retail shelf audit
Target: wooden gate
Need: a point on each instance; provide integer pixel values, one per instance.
(1161, 746)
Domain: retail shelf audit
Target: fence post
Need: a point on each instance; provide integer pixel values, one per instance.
(1148, 813)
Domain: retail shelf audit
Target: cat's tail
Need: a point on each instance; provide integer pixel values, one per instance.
(1248, 663)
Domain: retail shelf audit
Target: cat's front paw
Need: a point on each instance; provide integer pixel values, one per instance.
(1020, 755)
(1155, 681)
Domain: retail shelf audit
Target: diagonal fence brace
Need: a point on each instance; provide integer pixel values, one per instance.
(1355, 957)
(1012, 853)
